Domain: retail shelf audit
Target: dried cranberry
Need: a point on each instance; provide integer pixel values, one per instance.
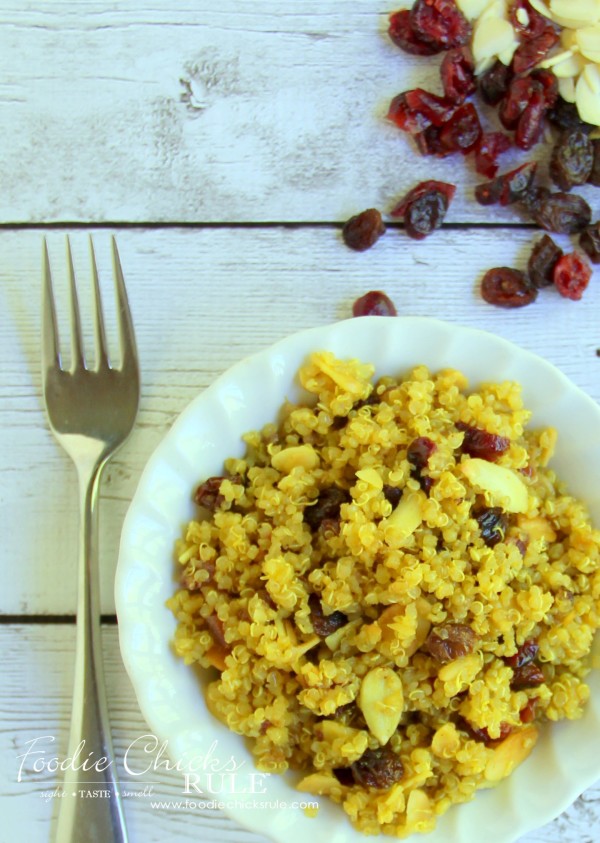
(531, 51)
(565, 115)
(563, 213)
(415, 110)
(490, 146)
(450, 641)
(572, 159)
(549, 84)
(492, 524)
(528, 676)
(418, 454)
(379, 768)
(494, 83)
(481, 443)
(542, 261)
(527, 713)
(429, 142)
(507, 188)
(589, 241)
(324, 625)
(392, 494)
(526, 653)
(528, 25)
(458, 74)
(572, 274)
(440, 22)
(529, 127)
(327, 506)
(363, 230)
(403, 35)
(506, 287)
(462, 131)
(424, 207)
(374, 303)
(518, 97)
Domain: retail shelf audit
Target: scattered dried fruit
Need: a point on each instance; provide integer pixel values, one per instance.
(507, 188)
(542, 261)
(589, 241)
(572, 159)
(506, 287)
(374, 303)
(481, 443)
(572, 274)
(563, 213)
(424, 207)
(363, 230)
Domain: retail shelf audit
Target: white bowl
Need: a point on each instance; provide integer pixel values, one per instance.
(565, 761)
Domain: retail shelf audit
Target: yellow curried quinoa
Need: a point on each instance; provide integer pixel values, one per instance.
(395, 590)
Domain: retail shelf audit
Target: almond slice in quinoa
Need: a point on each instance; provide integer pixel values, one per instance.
(510, 753)
(504, 487)
(381, 700)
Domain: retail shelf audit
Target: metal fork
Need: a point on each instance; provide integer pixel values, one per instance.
(91, 411)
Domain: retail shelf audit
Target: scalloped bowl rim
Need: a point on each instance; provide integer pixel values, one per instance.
(169, 693)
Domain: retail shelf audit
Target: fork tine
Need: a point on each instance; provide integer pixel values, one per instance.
(50, 343)
(126, 332)
(78, 360)
(101, 344)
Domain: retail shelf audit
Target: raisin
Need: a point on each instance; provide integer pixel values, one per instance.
(507, 188)
(530, 25)
(490, 146)
(415, 110)
(344, 776)
(589, 241)
(506, 287)
(532, 50)
(572, 274)
(374, 303)
(392, 494)
(327, 506)
(208, 494)
(528, 676)
(363, 230)
(542, 261)
(534, 197)
(595, 174)
(572, 159)
(424, 208)
(526, 653)
(323, 624)
(440, 22)
(564, 115)
(450, 641)
(549, 84)
(481, 443)
(563, 213)
(492, 524)
(482, 735)
(527, 713)
(495, 82)
(458, 74)
(462, 131)
(403, 35)
(379, 768)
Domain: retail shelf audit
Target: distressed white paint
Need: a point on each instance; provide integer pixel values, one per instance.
(252, 110)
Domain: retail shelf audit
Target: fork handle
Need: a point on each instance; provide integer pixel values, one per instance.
(91, 809)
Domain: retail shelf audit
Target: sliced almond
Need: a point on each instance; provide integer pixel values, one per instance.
(472, 9)
(393, 614)
(587, 94)
(491, 36)
(458, 674)
(510, 753)
(321, 784)
(370, 476)
(504, 487)
(381, 700)
(333, 730)
(566, 88)
(565, 65)
(588, 41)
(404, 520)
(446, 741)
(418, 808)
(296, 456)
(575, 13)
(537, 528)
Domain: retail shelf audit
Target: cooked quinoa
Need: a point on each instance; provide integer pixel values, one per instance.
(392, 589)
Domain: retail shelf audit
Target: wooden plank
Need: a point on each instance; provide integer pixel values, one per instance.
(203, 299)
(229, 111)
(35, 703)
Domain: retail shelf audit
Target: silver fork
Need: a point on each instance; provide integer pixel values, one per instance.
(91, 413)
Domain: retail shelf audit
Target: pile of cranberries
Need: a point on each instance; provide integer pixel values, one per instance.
(443, 125)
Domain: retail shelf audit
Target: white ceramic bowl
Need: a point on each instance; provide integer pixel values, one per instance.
(566, 760)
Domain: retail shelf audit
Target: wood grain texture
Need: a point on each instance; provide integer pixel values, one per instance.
(229, 111)
(203, 299)
(35, 703)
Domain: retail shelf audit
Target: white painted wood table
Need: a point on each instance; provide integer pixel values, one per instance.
(223, 143)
